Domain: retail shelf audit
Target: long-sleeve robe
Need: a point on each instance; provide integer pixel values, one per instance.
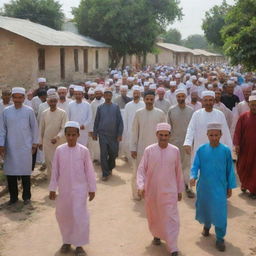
(179, 119)
(64, 105)
(81, 113)
(164, 105)
(51, 125)
(226, 111)
(215, 166)
(18, 132)
(197, 129)
(171, 97)
(245, 138)
(160, 174)
(74, 176)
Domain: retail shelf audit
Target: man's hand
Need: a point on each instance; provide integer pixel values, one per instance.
(90, 134)
(141, 193)
(94, 137)
(237, 150)
(2, 151)
(52, 195)
(187, 149)
(229, 193)
(40, 146)
(82, 127)
(119, 138)
(192, 182)
(91, 195)
(179, 196)
(134, 154)
(54, 140)
(34, 147)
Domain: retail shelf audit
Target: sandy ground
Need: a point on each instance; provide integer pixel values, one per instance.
(118, 225)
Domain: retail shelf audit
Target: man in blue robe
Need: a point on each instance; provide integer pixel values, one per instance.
(18, 141)
(213, 162)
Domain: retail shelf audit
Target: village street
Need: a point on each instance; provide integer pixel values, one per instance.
(119, 226)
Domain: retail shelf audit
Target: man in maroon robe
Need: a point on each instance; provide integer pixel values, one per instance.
(245, 144)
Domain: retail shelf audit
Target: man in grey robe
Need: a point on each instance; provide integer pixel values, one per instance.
(108, 126)
(18, 141)
(123, 99)
(179, 117)
(161, 102)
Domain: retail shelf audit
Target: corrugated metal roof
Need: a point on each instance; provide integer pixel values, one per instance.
(47, 36)
(175, 48)
(206, 53)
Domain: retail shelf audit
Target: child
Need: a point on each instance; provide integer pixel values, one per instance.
(73, 175)
(216, 180)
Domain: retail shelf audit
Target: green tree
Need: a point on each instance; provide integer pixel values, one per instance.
(45, 12)
(172, 36)
(213, 23)
(239, 34)
(196, 42)
(129, 26)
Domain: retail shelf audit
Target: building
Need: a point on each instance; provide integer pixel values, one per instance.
(29, 50)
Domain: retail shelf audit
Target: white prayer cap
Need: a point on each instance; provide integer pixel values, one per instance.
(208, 93)
(72, 86)
(130, 78)
(234, 78)
(90, 91)
(210, 86)
(146, 83)
(160, 89)
(163, 127)
(124, 87)
(116, 76)
(181, 91)
(193, 78)
(19, 90)
(72, 124)
(173, 83)
(214, 126)
(152, 86)
(252, 98)
(201, 80)
(99, 89)
(78, 88)
(93, 84)
(178, 75)
(51, 91)
(253, 92)
(53, 95)
(108, 90)
(88, 83)
(136, 88)
(62, 88)
(41, 80)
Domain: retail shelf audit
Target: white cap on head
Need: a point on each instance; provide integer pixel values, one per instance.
(91, 91)
(72, 86)
(78, 88)
(99, 89)
(178, 76)
(19, 90)
(124, 87)
(146, 83)
(136, 88)
(214, 126)
(163, 127)
(230, 82)
(72, 124)
(173, 83)
(252, 98)
(52, 95)
(181, 91)
(208, 93)
(51, 91)
(107, 90)
(152, 86)
(41, 80)
(201, 80)
(193, 77)
(62, 88)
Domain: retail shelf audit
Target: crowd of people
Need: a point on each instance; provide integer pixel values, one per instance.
(175, 126)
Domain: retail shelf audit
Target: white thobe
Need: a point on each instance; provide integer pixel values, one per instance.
(197, 129)
(81, 113)
(64, 105)
(171, 97)
(35, 104)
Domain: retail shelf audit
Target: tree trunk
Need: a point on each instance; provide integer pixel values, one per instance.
(124, 61)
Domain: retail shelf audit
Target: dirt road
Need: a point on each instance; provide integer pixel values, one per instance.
(118, 225)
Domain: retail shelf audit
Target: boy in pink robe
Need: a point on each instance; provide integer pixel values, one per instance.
(73, 175)
(160, 182)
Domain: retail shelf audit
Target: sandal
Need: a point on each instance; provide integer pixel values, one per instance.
(80, 251)
(65, 248)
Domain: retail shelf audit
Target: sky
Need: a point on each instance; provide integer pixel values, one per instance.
(193, 10)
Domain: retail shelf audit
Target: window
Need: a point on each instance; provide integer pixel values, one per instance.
(156, 58)
(76, 60)
(85, 60)
(62, 63)
(41, 59)
(97, 59)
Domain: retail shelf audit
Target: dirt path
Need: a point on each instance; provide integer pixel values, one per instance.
(119, 226)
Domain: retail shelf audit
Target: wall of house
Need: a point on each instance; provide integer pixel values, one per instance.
(19, 62)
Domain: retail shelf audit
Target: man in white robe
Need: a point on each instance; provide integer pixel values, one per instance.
(63, 100)
(197, 128)
(52, 125)
(143, 132)
(170, 95)
(81, 112)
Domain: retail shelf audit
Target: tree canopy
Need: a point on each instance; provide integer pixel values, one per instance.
(196, 42)
(45, 12)
(129, 26)
(172, 36)
(239, 34)
(213, 23)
